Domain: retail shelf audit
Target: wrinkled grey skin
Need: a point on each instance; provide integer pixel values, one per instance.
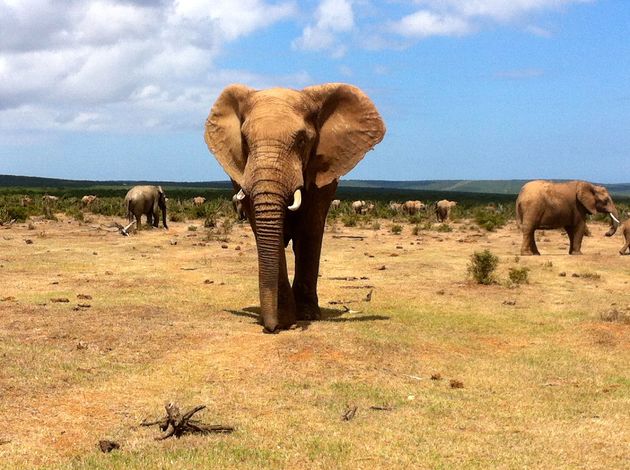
(282, 146)
(146, 200)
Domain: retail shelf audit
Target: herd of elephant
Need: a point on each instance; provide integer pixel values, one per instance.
(285, 150)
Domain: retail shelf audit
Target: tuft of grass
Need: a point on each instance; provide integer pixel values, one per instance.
(349, 220)
(491, 220)
(444, 228)
(519, 275)
(192, 228)
(482, 266)
(396, 229)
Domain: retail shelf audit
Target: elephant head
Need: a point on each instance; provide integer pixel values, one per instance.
(275, 143)
(596, 199)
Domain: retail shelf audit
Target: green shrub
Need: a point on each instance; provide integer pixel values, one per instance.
(192, 228)
(444, 228)
(376, 226)
(489, 219)
(17, 213)
(519, 275)
(482, 266)
(396, 229)
(350, 220)
(176, 217)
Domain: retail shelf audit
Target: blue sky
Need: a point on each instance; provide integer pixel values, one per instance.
(469, 89)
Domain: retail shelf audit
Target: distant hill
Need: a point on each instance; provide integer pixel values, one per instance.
(502, 187)
(465, 186)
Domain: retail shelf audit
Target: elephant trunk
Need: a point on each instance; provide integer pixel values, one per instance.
(269, 218)
(163, 216)
(614, 222)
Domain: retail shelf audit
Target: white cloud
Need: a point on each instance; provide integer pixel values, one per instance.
(425, 23)
(332, 17)
(119, 64)
(458, 17)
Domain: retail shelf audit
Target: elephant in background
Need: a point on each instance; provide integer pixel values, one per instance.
(198, 201)
(625, 229)
(362, 207)
(546, 205)
(49, 199)
(413, 207)
(335, 204)
(146, 200)
(285, 150)
(26, 201)
(395, 207)
(88, 200)
(443, 209)
(237, 205)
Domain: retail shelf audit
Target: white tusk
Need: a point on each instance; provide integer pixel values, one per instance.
(614, 218)
(297, 201)
(240, 195)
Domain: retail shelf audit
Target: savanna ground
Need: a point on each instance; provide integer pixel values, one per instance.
(504, 376)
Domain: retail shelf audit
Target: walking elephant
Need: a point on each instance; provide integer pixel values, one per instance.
(146, 200)
(285, 151)
(443, 209)
(88, 200)
(547, 205)
(413, 207)
(198, 201)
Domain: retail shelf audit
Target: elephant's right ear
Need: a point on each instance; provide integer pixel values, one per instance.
(223, 130)
(586, 196)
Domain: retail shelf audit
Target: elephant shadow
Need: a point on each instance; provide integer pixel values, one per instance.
(328, 315)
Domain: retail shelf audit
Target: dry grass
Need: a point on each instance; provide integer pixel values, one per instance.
(541, 380)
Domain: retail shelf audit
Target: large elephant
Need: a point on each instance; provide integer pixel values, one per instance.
(285, 149)
(146, 200)
(443, 209)
(546, 205)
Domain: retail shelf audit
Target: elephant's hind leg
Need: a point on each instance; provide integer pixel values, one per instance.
(625, 250)
(528, 247)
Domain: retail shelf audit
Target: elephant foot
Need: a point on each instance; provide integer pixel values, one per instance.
(530, 253)
(308, 311)
(575, 253)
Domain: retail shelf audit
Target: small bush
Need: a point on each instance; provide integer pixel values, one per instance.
(482, 266)
(18, 213)
(192, 228)
(210, 222)
(176, 217)
(396, 229)
(415, 231)
(376, 226)
(444, 228)
(227, 226)
(349, 220)
(490, 220)
(519, 275)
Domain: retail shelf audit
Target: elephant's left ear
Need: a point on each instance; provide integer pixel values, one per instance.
(348, 126)
(586, 196)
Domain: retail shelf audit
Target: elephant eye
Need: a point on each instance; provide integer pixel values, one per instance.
(300, 140)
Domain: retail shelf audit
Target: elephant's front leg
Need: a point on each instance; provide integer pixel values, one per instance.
(307, 246)
(576, 239)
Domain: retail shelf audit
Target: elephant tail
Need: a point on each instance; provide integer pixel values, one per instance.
(519, 214)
